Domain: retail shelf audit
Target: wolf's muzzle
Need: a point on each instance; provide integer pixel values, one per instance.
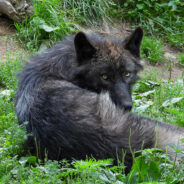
(121, 96)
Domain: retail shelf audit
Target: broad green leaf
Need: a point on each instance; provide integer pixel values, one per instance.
(154, 171)
(172, 101)
(31, 159)
(140, 6)
(147, 93)
(23, 160)
(145, 106)
(47, 28)
(138, 171)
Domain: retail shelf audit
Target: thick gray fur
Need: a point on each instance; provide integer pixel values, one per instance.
(69, 121)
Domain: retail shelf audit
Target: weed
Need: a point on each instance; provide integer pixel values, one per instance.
(152, 50)
(181, 59)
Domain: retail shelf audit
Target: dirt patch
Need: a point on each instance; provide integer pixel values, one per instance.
(8, 44)
(168, 69)
(6, 26)
(164, 71)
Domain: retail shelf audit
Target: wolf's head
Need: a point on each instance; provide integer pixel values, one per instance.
(108, 64)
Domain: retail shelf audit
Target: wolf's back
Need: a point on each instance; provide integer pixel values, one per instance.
(54, 63)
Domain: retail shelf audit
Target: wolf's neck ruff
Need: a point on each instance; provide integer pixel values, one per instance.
(76, 100)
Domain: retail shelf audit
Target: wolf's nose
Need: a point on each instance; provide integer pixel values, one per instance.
(127, 106)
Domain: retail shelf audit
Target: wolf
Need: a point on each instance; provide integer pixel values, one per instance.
(76, 100)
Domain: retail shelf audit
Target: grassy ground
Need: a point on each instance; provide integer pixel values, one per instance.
(161, 100)
(53, 19)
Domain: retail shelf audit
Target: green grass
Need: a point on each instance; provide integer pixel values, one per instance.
(160, 100)
(92, 11)
(54, 19)
(9, 72)
(163, 18)
(152, 50)
(17, 165)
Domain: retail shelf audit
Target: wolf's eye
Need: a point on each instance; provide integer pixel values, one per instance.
(105, 77)
(127, 74)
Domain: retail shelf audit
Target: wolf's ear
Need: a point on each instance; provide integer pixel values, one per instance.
(133, 42)
(84, 49)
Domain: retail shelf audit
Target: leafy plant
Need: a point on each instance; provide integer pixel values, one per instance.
(153, 166)
(152, 50)
(49, 22)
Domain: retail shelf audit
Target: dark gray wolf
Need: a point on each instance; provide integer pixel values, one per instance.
(76, 98)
